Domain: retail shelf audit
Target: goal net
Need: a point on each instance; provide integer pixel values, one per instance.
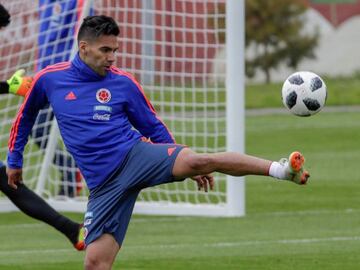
(174, 48)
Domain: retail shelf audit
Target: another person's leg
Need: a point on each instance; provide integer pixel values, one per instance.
(34, 206)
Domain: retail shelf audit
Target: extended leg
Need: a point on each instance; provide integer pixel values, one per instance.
(189, 163)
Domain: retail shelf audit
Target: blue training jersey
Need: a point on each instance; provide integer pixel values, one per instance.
(96, 116)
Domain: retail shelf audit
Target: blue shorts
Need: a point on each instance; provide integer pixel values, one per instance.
(110, 205)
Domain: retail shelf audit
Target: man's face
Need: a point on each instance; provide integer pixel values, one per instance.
(100, 53)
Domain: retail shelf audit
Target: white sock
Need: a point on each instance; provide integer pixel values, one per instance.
(277, 170)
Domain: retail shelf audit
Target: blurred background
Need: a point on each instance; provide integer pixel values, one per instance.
(177, 49)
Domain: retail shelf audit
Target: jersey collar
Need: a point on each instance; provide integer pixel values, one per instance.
(85, 71)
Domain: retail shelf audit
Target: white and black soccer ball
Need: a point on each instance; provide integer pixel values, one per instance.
(304, 93)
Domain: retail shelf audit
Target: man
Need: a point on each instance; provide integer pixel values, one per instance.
(96, 106)
(25, 199)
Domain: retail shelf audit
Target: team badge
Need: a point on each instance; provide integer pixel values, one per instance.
(103, 95)
(87, 221)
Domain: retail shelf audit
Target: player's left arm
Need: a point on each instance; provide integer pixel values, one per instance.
(143, 117)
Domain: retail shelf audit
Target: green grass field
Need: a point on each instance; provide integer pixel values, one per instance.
(286, 226)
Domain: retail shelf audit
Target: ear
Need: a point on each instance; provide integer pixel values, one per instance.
(83, 47)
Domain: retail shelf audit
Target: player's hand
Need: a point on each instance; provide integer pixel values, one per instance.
(204, 182)
(18, 83)
(14, 177)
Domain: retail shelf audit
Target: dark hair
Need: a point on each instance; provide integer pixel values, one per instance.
(96, 26)
(4, 16)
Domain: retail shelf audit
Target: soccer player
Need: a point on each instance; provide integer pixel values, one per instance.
(24, 198)
(97, 105)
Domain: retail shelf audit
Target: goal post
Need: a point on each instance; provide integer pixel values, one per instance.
(235, 98)
(177, 51)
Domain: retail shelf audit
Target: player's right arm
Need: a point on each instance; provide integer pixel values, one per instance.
(35, 100)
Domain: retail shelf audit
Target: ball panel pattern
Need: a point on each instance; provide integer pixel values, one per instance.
(291, 99)
(311, 104)
(296, 79)
(315, 84)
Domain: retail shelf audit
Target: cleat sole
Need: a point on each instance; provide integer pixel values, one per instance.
(296, 160)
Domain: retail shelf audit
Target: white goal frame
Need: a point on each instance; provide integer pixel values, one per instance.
(235, 136)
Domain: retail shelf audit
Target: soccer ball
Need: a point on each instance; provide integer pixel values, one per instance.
(304, 93)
